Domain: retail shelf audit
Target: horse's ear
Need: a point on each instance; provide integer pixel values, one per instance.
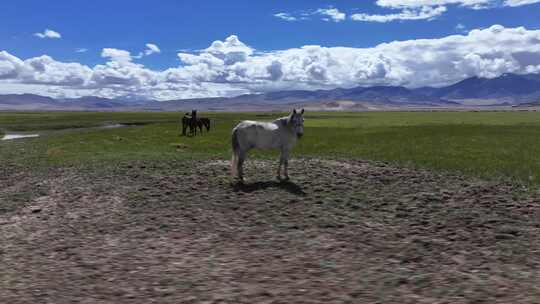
(294, 111)
(302, 112)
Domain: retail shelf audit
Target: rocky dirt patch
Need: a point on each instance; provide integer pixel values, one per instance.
(340, 232)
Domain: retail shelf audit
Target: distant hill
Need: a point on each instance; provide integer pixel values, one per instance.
(18, 99)
(32, 102)
(379, 94)
(505, 88)
(508, 89)
(361, 98)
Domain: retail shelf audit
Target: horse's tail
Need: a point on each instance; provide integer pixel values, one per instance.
(235, 149)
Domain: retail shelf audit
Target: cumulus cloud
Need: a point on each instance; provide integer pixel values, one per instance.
(116, 54)
(231, 67)
(10, 66)
(46, 70)
(487, 53)
(231, 45)
(42, 70)
(48, 34)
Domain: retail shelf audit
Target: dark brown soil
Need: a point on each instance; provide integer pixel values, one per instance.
(339, 232)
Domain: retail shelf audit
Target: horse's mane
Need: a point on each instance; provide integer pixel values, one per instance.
(284, 121)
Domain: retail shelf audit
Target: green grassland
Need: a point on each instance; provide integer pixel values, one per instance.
(491, 145)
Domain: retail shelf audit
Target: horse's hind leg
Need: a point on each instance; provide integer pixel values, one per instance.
(240, 165)
(286, 169)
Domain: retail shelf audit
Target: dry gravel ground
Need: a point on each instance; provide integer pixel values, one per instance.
(340, 232)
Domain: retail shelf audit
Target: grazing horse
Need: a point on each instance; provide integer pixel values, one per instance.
(280, 134)
(191, 122)
(205, 122)
(200, 125)
(185, 123)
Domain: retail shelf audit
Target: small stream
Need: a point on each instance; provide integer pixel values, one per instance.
(14, 135)
(11, 136)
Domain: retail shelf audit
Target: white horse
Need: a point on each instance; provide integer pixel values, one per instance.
(280, 134)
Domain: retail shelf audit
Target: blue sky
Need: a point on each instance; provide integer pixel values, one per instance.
(261, 26)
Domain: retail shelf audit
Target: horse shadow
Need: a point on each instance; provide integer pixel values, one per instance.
(288, 186)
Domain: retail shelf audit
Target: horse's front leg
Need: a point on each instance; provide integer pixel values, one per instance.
(278, 175)
(284, 160)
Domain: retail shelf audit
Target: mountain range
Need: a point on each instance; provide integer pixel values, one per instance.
(507, 89)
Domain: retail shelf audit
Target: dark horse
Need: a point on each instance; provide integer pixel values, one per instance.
(203, 121)
(191, 122)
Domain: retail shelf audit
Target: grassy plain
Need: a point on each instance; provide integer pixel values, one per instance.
(485, 144)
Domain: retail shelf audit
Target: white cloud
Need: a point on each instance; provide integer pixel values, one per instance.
(81, 50)
(48, 34)
(418, 9)
(151, 49)
(400, 4)
(475, 4)
(231, 45)
(487, 53)
(285, 16)
(424, 12)
(230, 67)
(409, 10)
(331, 14)
(42, 70)
(46, 70)
(514, 3)
(116, 54)
(429, 9)
(10, 66)
(122, 75)
(125, 56)
(327, 14)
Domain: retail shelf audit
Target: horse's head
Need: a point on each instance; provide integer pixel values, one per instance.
(296, 121)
